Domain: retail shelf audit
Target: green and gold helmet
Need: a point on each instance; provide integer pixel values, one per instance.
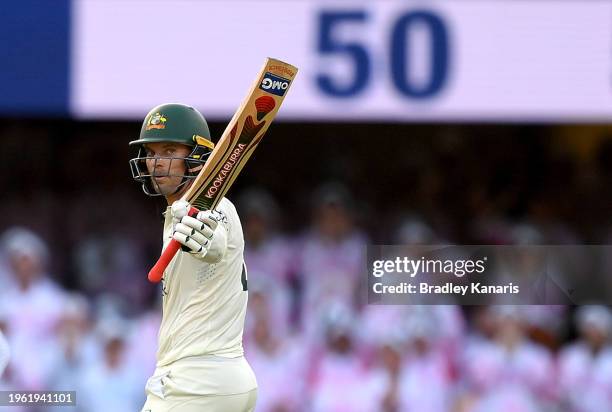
(174, 122)
(177, 123)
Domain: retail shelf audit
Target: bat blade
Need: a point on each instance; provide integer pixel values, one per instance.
(240, 138)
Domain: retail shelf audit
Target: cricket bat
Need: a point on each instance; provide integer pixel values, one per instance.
(240, 138)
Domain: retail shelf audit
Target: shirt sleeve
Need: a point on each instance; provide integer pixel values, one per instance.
(228, 218)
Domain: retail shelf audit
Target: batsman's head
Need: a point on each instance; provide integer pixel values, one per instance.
(173, 146)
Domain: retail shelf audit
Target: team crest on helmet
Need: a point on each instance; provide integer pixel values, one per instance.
(156, 121)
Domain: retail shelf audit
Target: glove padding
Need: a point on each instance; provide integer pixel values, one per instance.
(200, 235)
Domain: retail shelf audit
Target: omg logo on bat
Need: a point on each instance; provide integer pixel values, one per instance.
(274, 84)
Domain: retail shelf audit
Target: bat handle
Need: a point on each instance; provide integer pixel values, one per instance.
(157, 271)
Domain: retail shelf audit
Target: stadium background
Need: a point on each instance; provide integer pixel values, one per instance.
(322, 189)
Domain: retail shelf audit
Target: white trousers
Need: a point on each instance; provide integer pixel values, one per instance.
(206, 384)
(244, 402)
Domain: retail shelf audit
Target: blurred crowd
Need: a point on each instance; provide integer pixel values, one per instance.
(314, 343)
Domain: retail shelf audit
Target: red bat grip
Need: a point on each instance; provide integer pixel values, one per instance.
(157, 271)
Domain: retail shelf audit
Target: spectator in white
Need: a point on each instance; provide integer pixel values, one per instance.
(390, 358)
(6, 383)
(108, 262)
(110, 383)
(508, 373)
(425, 380)
(585, 367)
(75, 346)
(274, 354)
(375, 321)
(341, 381)
(374, 324)
(267, 253)
(331, 257)
(6, 279)
(4, 353)
(32, 307)
(271, 299)
(142, 341)
(413, 230)
(383, 337)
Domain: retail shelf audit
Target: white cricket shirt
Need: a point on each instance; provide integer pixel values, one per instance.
(204, 305)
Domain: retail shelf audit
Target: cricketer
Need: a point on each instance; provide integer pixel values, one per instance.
(200, 359)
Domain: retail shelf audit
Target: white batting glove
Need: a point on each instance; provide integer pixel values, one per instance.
(200, 235)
